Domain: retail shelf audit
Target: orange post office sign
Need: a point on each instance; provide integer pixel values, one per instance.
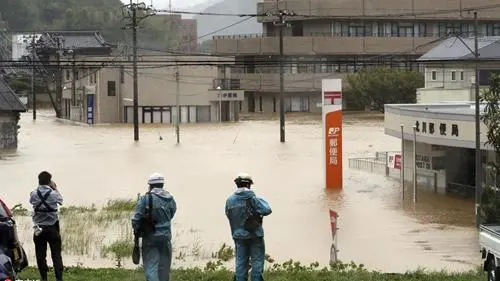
(332, 126)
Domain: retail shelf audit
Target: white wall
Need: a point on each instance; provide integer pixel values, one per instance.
(433, 95)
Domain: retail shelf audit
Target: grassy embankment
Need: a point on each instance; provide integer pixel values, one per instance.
(76, 222)
(287, 272)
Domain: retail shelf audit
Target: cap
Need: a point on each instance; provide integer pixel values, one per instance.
(156, 178)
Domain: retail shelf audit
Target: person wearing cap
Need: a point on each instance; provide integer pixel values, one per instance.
(244, 211)
(156, 242)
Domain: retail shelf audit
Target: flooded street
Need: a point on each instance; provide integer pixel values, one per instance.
(92, 165)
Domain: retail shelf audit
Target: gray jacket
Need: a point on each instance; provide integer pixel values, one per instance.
(42, 216)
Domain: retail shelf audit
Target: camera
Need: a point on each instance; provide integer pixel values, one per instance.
(37, 230)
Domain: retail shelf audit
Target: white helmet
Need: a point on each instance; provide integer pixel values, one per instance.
(244, 177)
(156, 178)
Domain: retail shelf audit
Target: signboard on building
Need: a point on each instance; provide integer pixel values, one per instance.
(424, 162)
(332, 128)
(227, 95)
(90, 109)
(445, 129)
(394, 160)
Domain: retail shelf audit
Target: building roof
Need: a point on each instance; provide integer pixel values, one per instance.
(464, 108)
(453, 49)
(73, 40)
(8, 99)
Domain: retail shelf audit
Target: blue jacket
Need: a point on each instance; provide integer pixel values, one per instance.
(236, 212)
(164, 208)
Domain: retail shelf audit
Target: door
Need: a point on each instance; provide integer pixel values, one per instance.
(166, 117)
(156, 117)
(184, 114)
(295, 104)
(192, 114)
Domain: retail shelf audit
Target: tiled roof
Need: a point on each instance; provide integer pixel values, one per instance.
(74, 39)
(454, 49)
(8, 99)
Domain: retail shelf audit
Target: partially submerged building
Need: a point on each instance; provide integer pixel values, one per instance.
(444, 116)
(10, 109)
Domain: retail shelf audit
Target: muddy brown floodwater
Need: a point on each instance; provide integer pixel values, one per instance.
(96, 164)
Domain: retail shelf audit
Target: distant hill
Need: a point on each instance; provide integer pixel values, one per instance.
(209, 24)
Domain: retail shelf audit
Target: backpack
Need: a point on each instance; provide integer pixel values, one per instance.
(253, 220)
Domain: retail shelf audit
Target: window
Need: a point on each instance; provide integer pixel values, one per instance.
(461, 76)
(493, 29)
(67, 75)
(111, 88)
(402, 30)
(434, 75)
(453, 76)
(76, 75)
(421, 28)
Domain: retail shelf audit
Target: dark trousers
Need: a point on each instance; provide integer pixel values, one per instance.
(50, 235)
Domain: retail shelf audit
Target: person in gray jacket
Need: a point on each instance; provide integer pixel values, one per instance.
(45, 200)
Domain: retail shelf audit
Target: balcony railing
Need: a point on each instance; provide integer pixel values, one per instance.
(227, 84)
(351, 34)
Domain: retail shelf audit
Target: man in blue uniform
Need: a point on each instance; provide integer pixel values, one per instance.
(244, 211)
(152, 222)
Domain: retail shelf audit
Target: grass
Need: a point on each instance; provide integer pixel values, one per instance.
(288, 271)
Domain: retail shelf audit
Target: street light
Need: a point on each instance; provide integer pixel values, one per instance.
(220, 103)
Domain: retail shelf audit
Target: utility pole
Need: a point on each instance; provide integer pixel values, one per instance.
(282, 16)
(479, 182)
(73, 83)
(134, 8)
(33, 94)
(177, 98)
(58, 77)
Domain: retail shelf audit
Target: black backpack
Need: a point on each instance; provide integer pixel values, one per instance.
(254, 220)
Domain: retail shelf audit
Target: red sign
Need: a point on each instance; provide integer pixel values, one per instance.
(333, 222)
(333, 149)
(397, 161)
(331, 95)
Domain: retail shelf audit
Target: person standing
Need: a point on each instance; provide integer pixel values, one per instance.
(244, 211)
(152, 221)
(45, 200)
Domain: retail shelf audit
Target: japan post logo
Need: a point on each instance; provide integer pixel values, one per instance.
(333, 131)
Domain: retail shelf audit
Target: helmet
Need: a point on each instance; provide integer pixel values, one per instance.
(156, 178)
(243, 178)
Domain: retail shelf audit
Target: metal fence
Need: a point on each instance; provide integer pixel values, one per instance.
(377, 164)
(369, 164)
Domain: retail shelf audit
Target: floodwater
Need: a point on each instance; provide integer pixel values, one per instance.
(92, 165)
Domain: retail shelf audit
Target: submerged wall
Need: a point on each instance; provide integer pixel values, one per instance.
(8, 130)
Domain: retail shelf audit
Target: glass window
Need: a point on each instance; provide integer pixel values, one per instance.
(111, 88)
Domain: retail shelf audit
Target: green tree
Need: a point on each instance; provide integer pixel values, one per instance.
(376, 87)
(490, 199)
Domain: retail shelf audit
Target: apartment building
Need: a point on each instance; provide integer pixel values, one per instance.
(332, 38)
(96, 83)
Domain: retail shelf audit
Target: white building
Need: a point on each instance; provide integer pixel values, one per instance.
(444, 116)
(20, 44)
